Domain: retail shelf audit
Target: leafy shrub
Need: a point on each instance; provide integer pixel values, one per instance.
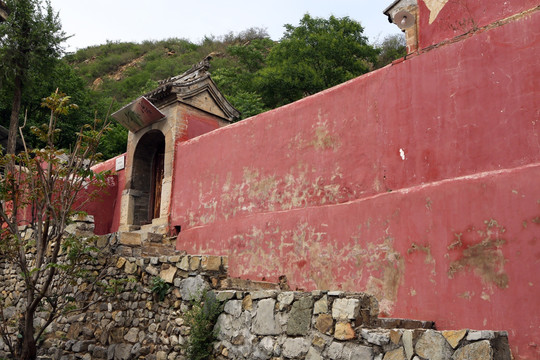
(160, 288)
(202, 318)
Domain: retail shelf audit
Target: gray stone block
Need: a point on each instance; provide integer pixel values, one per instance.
(300, 317)
(480, 350)
(432, 345)
(265, 322)
(346, 309)
(480, 335)
(376, 337)
(335, 350)
(313, 354)
(233, 307)
(353, 351)
(295, 347)
(192, 288)
(263, 294)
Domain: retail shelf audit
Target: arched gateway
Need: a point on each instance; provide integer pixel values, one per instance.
(147, 180)
(181, 108)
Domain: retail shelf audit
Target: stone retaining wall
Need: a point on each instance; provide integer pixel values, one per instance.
(126, 320)
(336, 325)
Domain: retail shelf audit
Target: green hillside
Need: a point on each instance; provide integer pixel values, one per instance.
(124, 71)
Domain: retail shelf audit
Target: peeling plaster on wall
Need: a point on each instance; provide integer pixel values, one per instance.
(266, 193)
(466, 295)
(252, 257)
(429, 204)
(296, 249)
(434, 6)
(385, 266)
(206, 213)
(535, 221)
(426, 249)
(308, 249)
(485, 258)
(457, 242)
(320, 139)
(390, 266)
(323, 139)
(429, 260)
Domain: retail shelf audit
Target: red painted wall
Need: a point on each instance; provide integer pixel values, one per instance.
(453, 111)
(463, 252)
(106, 208)
(417, 182)
(461, 16)
(199, 122)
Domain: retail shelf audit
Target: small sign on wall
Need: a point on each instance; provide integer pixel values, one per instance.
(120, 163)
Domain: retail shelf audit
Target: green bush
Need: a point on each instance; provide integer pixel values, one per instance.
(160, 288)
(202, 318)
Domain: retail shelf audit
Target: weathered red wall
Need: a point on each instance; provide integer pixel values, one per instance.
(458, 17)
(199, 123)
(463, 252)
(417, 182)
(106, 208)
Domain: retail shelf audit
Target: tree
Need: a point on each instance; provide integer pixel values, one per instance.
(236, 79)
(59, 76)
(40, 192)
(313, 56)
(29, 39)
(114, 142)
(393, 47)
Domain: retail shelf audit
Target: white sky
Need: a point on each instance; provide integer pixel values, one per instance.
(94, 22)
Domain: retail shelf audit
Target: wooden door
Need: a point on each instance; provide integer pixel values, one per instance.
(157, 181)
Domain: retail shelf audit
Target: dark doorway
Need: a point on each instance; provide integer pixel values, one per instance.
(147, 177)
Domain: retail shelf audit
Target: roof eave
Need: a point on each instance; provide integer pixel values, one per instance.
(390, 7)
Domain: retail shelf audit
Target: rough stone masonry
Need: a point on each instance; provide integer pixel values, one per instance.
(258, 321)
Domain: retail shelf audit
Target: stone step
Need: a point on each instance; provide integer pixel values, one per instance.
(141, 242)
(153, 249)
(391, 323)
(247, 285)
(131, 238)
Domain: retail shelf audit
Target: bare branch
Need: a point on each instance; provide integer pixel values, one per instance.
(41, 189)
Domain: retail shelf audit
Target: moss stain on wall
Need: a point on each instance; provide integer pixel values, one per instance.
(484, 258)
